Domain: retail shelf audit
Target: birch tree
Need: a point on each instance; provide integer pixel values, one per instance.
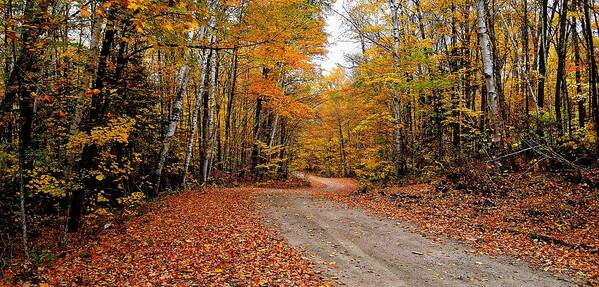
(171, 128)
(211, 131)
(395, 7)
(207, 54)
(487, 58)
(211, 134)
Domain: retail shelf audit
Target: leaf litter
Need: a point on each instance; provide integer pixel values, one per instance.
(211, 237)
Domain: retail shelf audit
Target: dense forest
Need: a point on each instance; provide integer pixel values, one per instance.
(436, 83)
(108, 104)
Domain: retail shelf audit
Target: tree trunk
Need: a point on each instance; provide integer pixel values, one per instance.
(525, 29)
(256, 131)
(497, 66)
(580, 98)
(21, 85)
(196, 110)
(210, 121)
(231, 97)
(92, 118)
(341, 143)
(542, 55)
(487, 58)
(204, 126)
(592, 65)
(560, 80)
(182, 80)
(273, 131)
(395, 7)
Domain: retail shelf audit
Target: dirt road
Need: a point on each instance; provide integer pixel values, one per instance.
(354, 248)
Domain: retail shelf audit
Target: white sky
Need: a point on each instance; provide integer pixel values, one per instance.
(339, 44)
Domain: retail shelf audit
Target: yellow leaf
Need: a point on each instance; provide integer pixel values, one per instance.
(84, 12)
(217, 270)
(100, 177)
(168, 26)
(133, 6)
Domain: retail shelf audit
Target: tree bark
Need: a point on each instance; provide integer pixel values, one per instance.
(560, 80)
(21, 86)
(454, 66)
(341, 143)
(256, 132)
(182, 80)
(231, 97)
(210, 121)
(93, 118)
(487, 58)
(525, 28)
(542, 55)
(497, 66)
(580, 98)
(395, 8)
(592, 65)
(196, 110)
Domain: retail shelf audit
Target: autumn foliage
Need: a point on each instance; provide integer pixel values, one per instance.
(106, 105)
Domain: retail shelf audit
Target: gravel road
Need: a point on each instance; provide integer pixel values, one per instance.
(354, 248)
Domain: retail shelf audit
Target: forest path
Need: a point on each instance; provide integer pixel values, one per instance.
(351, 247)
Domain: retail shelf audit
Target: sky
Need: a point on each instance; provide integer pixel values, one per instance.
(339, 44)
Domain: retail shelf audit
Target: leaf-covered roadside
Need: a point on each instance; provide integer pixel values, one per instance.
(545, 219)
(204, 238)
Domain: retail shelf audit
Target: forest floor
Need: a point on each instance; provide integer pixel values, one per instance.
(312, 236)
(209, 237)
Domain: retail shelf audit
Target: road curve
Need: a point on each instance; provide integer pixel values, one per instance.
(353, 248)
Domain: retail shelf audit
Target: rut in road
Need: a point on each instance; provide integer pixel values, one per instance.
(353, 248)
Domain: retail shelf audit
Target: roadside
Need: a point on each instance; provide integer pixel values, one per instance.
(210, 237)
(354, 248)
(550, 221)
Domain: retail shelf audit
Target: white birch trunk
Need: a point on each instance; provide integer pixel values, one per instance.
(212, 98)
(210, 122)
(196, 111)
(273, 132)
(487, 57)
(182, 81)
(395, 7)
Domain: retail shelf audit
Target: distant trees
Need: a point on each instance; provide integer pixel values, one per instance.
(440, 82)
